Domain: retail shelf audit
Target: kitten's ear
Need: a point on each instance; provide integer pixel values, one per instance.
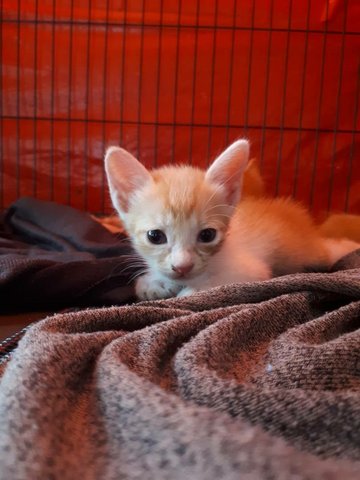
(227, 169)
(125, 176)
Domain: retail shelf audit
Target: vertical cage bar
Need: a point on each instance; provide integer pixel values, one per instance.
(1, 114)
(211, 109)
(104, 100)
(52, 109)
(122, 80)
(35, 98)
(176, 79)
(352, 148)
(247, 99)
(231, 69)
(332, 168)
(86, 116)
(70, 79)
(302, 95)
(314, 161)
(282, 119)
(38, 120)
(140, 83)
(18, 99)
(267, 77)
(158, 83)
(193, 89)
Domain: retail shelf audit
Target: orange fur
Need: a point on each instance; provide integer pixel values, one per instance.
(342, 225)
(255, 239)
(253, 186)
(253, 183)
(282, 232)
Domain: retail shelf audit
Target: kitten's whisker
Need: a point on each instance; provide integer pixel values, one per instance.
(115, 271)
(130, 267)
(221, 185)
(210, 213)
(220, 215)
(136, 275)
(220, 205)
(134, 261)
(123, 241)
(129, 258)
(217, 188)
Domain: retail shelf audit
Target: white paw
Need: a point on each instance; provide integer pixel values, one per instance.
(186, 291)
(338, 248)
(148, 287)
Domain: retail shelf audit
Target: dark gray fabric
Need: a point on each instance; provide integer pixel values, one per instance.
(54, 256)
(254, 381)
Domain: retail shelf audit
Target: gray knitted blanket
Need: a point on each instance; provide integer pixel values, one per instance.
(253, 381)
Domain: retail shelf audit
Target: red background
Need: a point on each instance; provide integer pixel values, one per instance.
(176, 81)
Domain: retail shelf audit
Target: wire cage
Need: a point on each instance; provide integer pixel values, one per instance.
(176, 81)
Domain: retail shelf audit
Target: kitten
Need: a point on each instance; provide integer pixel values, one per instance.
(193, 234)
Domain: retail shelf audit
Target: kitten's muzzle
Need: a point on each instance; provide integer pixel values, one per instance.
(182, 270)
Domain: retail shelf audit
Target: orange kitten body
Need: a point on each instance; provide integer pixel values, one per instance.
(253, 183)
(342, 225)
(281, 232)
(192, 232)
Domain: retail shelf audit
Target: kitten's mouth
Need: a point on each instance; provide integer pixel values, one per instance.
(178, 276)
(181, 276)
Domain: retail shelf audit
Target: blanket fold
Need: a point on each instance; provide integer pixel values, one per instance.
(254, 381)
(54, 256)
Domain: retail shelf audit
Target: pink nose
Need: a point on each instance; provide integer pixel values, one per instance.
(182, 269)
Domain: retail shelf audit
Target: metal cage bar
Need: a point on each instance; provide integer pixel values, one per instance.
(177, 81)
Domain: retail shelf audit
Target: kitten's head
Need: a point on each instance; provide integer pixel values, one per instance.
(177, 217)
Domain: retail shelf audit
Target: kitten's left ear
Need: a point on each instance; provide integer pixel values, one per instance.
(125, 175)
(227, 169)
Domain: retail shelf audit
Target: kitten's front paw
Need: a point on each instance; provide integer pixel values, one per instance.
(186, 291)
(149, 287)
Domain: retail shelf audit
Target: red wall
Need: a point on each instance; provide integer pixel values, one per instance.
(178, 84)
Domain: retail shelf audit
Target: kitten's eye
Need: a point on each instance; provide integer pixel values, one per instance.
(157, 237)
(207, 235)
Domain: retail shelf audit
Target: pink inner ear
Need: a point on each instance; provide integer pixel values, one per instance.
(233, 192)
(230, 180)
(227, 170)
(125, 176)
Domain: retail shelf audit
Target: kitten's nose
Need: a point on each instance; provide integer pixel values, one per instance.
(182, 269)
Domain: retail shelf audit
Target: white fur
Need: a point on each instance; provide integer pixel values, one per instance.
(338, 248)
(234, 263)
(151, 286)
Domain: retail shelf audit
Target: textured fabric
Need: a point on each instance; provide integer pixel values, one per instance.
(54, 256)
(254, 381)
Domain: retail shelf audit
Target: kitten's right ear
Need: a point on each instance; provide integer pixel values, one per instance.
(125, 176)
(227, 170)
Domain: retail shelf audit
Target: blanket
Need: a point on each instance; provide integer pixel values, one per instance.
(53, 256)
(252, 381)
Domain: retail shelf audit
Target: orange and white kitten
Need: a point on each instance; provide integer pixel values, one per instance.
(193, 234)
